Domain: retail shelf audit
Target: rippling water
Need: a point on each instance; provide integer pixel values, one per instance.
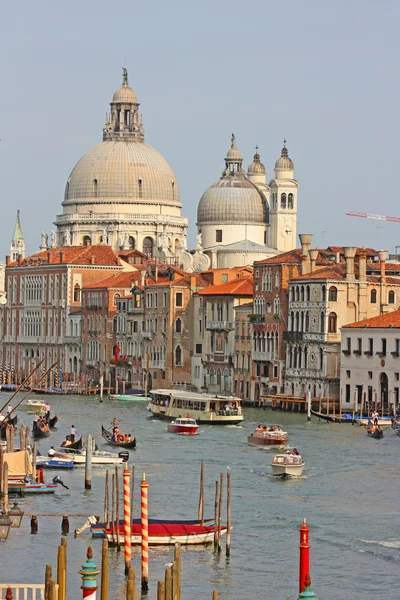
(349, 494)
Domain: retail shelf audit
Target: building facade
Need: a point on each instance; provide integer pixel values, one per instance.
(243, 379)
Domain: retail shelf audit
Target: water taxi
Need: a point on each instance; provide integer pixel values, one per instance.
(264, 437)
(99, 457)
(183, 426)
(33, 406)
(203, 408)
(287, 464)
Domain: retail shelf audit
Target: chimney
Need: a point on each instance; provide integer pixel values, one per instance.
(362, 266)
(62, 254)
(20, 259)
(8, 261)
(92, 260)
(382, 255)
(142, 277)
(305, 241)
(156, 273)
(193, 282)
(48, 256)
(349, 254)
(313, 258)
(337, 257)
(87, 243)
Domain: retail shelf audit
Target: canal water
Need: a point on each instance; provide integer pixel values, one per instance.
(349, 495)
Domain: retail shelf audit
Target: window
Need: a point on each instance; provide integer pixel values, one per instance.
(87, 240)
(348, 374)
(137, 300)
(397, 347)
(135, 327)
(391, 297)
(370, 346)
(290, 201)
(116, 297)
(283, 200)
(332, 323)
(77, 293)
(212, 376)
(131, 243)
(373, 296)
(199, 348)
(383, 351)
(148, 246)
(218, 235)
(348, 349)
(396, 376)
(155, 300)
(348, 392)
(178, 356)
(369, 374)
(224, 277)
(275, 371)
(179, 299)
(178, 326)
(164, 299)
(332, 294)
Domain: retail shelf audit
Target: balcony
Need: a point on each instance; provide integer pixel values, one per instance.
(262, 355)
(395, 354)
(147, 335)
(156, 364)
(220, 325)
(293, 336)
(357, 352)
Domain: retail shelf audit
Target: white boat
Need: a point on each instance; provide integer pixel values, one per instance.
(203, 408)
(99, 457)
(382, 422)
(33, 406)
(287, 464)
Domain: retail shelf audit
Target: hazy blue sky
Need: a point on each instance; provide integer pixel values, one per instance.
(323, 75)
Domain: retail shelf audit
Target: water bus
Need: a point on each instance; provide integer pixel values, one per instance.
(203, 408)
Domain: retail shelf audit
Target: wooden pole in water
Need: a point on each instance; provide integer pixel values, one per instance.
(200, 512)
(215, 595)
(47, 576)
(340, 403)
(35, 450)
(220, 510)
(144, 487)
(104, 570)
(308, 406)
(5, 487)
(61, 573)
(113, 508)
(130, 585)
(168, 583)
(8, 443)
(22, 437)
(216, 516)
(52, 590)
(27, 438)
(101, 388)
(160, 590)
(105, 499)
(127, 520)
(228, 513)
(176, 573)
(1, 470)
(354, 404)
(117, 506)
(88, 463)
(64, 544)
(327, 403)
(12, 438)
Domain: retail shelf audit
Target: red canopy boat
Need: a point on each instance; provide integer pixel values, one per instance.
(168, 534)
(183, 426)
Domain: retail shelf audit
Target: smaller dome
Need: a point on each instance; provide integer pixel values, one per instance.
(233, 153)
(284, 163)
(256, 167)
(126, 95)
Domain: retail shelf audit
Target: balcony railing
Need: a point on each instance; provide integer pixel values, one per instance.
(221, 325)
(262, 355)
(147, 335)
(293, 336)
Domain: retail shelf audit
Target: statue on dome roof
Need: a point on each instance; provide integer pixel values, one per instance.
(44, 241)
(124, 76)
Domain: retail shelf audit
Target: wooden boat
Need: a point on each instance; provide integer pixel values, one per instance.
(98, 456)
(183, 426)
(3, 425)
(56, 462)
(383, 422)
(287, 464)
(33, 406)
(336, 418)
(77, 445)
(169, 534)
(40, 432)
(107, 436)
(128, 397)
(375, 432)
(33, 487)
(53, 422)
(268, 438)
(99, 529)
(203, 408)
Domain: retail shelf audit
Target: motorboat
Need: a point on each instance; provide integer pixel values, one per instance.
(33, 406)
(287, 464)
(203, 408)
(268, 437)
(128, 397)
(99, 457)
(54, 462)
(168, 534)
(183, 426)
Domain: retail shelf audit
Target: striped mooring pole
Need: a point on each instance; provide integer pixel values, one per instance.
(127, 519)
(144, 486)
(89, 572)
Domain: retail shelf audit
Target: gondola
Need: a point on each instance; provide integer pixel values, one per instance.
(39, 432)
(3, 426)
(377, 434)
(77, 445)
(334, 418)
(108, 438)
(53, 421)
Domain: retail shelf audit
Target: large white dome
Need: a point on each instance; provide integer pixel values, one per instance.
(122, 171)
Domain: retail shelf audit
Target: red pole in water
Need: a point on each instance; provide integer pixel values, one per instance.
(304, 555)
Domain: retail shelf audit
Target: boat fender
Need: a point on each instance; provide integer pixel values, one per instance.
(124, 455)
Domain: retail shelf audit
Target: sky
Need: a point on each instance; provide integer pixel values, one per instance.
(325, 76)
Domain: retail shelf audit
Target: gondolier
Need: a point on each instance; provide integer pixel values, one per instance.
(375, 417)
(73, 433)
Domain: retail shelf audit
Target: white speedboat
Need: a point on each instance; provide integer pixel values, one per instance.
(99, 457)
(287, 464)
(33, 406)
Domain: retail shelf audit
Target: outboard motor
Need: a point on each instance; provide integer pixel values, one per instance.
(124, 455)
(57, 480)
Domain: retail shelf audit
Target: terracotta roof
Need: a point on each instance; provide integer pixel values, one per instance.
(248, 305)
(242, 286)
(387, 320)
(123, 280)
(335, 271)
(184, 280)
(293, 257)
(73, 255)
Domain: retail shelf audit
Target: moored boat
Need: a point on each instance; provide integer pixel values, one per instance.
(269, 437)
(336, 418)
(169, 534)
(287, 464)
(55, 462)
(3, 425)
(98, 456)
(128, 397)
(183, 426)
(33, 406)
(382, 422)
(107, 436)
(203, 408)
(99, 529)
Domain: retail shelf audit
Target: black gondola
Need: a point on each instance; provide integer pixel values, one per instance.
(3, 425)
(39, 432)
(77, 445)
(108, 438)
(53, 421)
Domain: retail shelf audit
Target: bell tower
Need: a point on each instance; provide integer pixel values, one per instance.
(283, 204)
(17, 247)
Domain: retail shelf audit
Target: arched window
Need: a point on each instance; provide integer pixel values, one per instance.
(116, 297)
(212, 376)
(178, 326)
(332, 323)
(218, 376)
(283, 200)
(373, 296)
(308, 295)
(178, 356)
(131, 243)
(323, 293)
(322, 322)
(77, 293)
(290, 202)
(87, 240)
(302, 293)
(115, 325)
(391, 297)
(226, 380)
(332, 294)
(148, 245)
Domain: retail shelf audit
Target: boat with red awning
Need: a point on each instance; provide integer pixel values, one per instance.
(168, 534)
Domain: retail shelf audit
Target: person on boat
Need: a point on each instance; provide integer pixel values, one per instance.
(36, 418)
(375, 417)
(67, 441)
(72, 433)
(51, 452)
(259, 427)
(296, 452)
(48, 409)
(114, 422)
(2, 417)
(9, 409)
